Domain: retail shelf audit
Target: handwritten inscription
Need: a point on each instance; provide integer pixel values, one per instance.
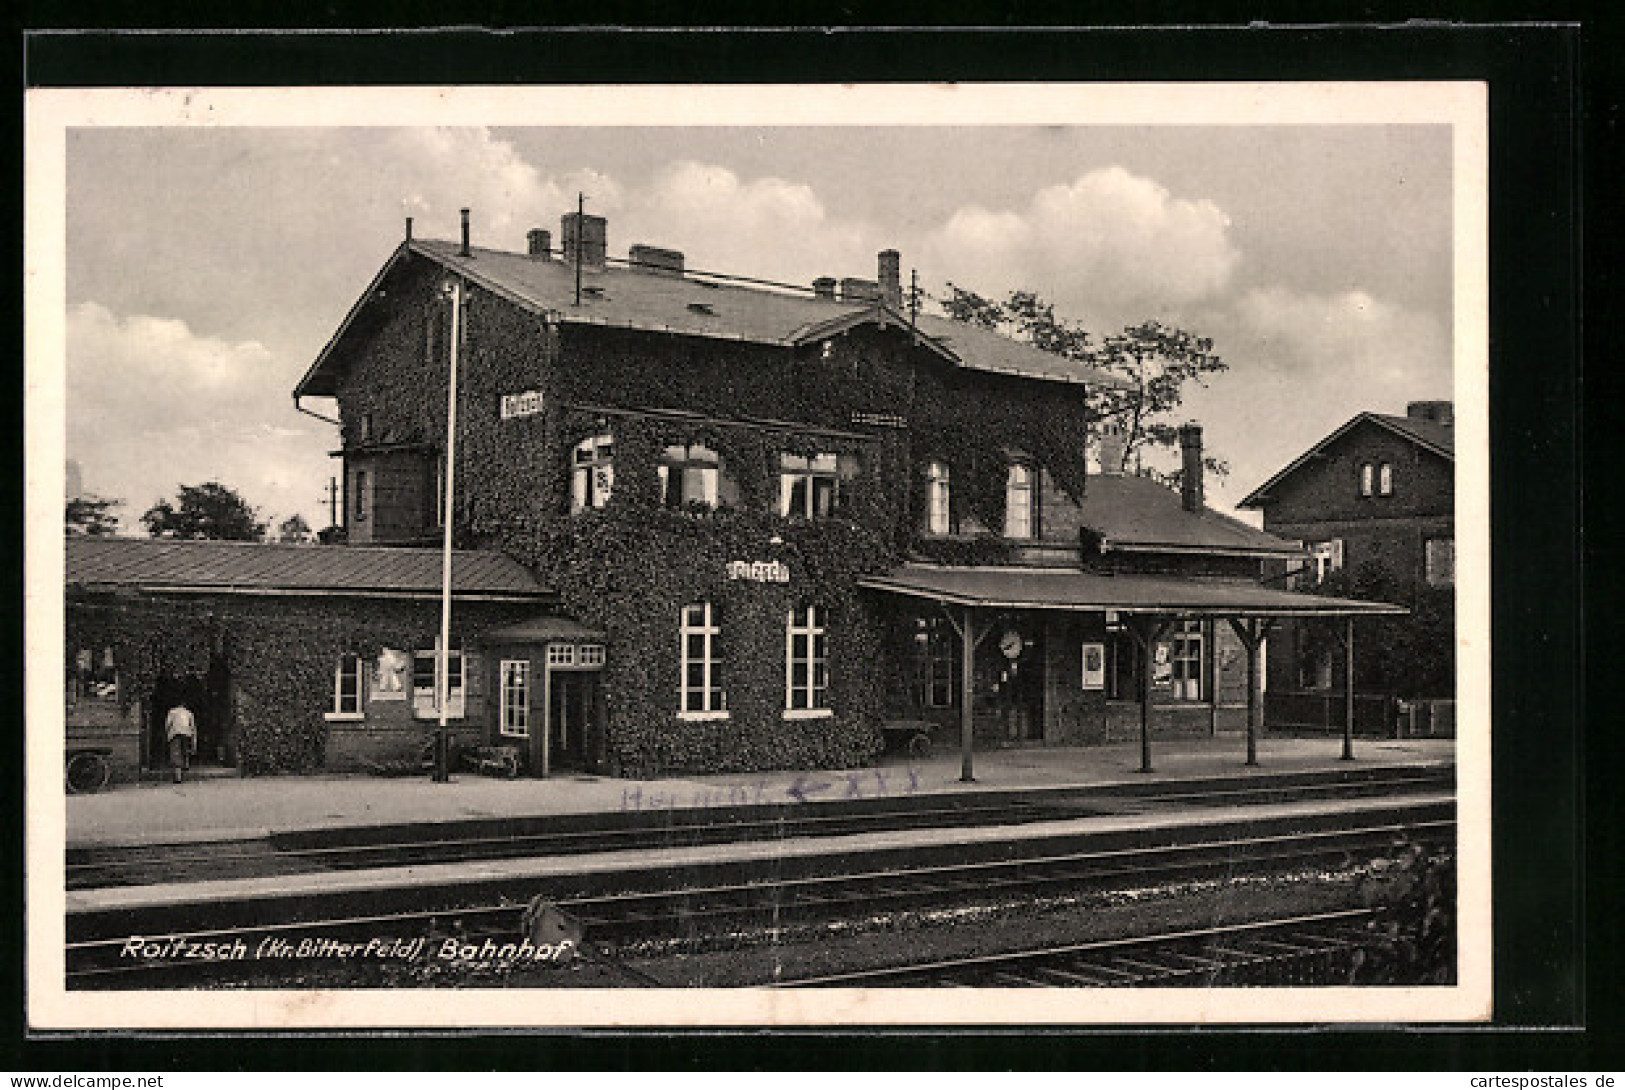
(807, 787)
(759, 571)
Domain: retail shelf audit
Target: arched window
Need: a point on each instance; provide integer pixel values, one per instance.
(1385, 479)
(1367, 473)
(689, 474)
(1020, 501)
(937, 517)
(592, 477)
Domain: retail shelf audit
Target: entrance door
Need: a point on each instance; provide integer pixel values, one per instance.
(1019, 651)
(208, 696)
(572, 707)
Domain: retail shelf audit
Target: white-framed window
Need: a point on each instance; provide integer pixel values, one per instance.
(561, 654)
(808, 485)
(1368, 474)
(592, 654)
(937, 510)
(1439, 561)
(689, 474)
(806, 661)
(592, 472)
(1325, 557)
(515, 685)
(1188, 657)
(935, 662)
(1019, 500)
(1385, 479)
(425, 693)
(701, 691)
(347, 687)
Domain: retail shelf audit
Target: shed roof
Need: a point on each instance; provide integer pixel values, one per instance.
(242, 567)
(693, 305)
(1073, 590)
(1137, 513)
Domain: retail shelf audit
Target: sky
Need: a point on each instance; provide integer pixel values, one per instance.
(206, 267)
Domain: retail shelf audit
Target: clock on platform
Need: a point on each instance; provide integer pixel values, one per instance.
(1011, 643)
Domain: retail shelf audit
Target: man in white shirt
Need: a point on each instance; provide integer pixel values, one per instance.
(181, 731)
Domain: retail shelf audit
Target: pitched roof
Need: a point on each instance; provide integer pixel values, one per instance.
(1071, 589)
(1138, 513)
(693, 305)
(241, 567)
(1429, 435)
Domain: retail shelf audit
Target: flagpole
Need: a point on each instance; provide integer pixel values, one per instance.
(443, 653)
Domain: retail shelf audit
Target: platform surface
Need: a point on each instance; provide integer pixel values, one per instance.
(231, 807)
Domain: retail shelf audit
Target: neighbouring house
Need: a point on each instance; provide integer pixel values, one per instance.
(784, 511)
(1373, 503)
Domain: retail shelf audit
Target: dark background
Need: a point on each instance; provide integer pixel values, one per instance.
(1554, 990)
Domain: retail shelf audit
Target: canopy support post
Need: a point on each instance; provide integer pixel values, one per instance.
(967, 686)
(1146, 633)
(1348, 686)
(1252, 632)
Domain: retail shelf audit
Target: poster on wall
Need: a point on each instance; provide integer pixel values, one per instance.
(1094, 666)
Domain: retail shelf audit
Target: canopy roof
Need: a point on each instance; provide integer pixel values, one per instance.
(1069, 589)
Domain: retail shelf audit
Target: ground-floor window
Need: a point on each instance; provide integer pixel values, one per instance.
(806, 654)
(702, 691)
(426, 692)
(515, 718)
(1439, 560)
(935, 655)
(1187, 655)
(347, 685)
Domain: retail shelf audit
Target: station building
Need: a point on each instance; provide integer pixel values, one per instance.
(763, 525)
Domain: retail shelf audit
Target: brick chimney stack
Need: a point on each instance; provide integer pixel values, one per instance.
(1190, 466)
(1437, 412)
(464, 252)
(539, 243)
(590, 234)
(824, 287)
(891, 279)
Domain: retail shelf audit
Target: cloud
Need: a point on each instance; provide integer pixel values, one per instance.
(152, 405)
(1111, 246)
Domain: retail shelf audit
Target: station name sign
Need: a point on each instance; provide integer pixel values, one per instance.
(516, 406)
(759, 571)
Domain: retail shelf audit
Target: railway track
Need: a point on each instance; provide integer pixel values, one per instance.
(1292, 950)
(573, 834)
(710, 905)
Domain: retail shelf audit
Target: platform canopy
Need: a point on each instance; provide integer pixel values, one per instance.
(1072, 590)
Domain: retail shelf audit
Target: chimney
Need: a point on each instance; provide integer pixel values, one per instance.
(1437, 412)
(854, 290)
(1113, 439)
(656, 261)
(1190, 467)
(891, 279)
(409, 228)
(464, 251)
(588, 233)
(539, 243)
(824, 287)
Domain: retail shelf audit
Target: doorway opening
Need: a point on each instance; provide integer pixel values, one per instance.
(208, 696)
(574, 716)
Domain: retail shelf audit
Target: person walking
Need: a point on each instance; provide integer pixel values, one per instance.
(180, 728)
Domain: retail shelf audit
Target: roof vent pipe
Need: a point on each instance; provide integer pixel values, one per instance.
(464, 252)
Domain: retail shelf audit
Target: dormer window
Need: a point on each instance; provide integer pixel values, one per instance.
(937, 508)
(592, 477)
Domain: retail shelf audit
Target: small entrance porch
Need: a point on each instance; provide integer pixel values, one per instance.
(547, 697)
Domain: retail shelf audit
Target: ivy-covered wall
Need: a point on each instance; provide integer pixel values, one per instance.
(281, 654)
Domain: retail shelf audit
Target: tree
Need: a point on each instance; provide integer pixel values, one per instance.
(1411, 656)
(294, 530)
(1157, 360)
(205, 511)
(92, 516)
